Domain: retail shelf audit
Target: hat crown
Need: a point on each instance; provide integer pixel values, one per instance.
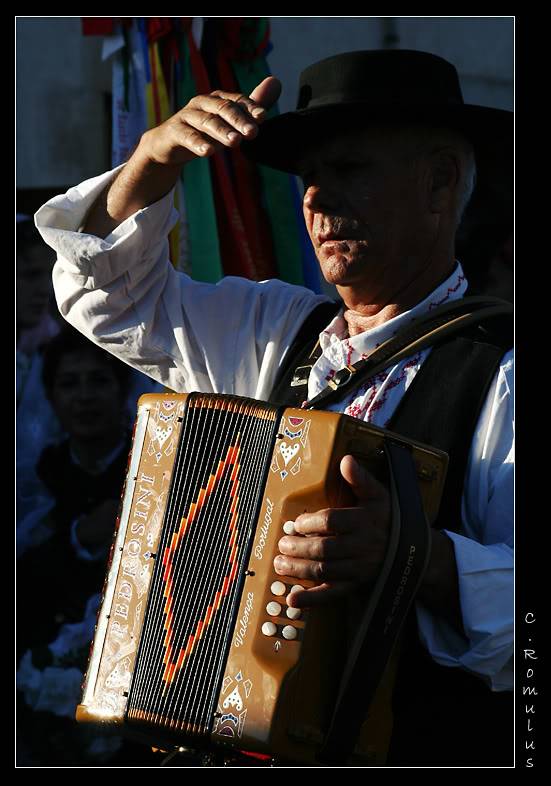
(389, 76)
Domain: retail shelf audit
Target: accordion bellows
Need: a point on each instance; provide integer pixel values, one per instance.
(194, 644)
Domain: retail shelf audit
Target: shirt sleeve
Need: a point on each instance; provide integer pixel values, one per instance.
(123, 293)
(484, 549)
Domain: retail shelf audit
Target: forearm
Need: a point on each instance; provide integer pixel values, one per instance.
(138, 184)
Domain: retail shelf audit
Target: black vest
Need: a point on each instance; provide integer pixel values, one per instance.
(443, 716)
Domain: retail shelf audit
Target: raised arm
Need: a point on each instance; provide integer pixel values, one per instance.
(205, 125)
(114, 281)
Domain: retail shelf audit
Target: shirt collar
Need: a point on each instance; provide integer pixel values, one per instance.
(341, 349)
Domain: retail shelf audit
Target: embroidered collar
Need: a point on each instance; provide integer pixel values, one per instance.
(340, 349)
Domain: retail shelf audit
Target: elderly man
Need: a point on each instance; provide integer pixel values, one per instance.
(386, 149)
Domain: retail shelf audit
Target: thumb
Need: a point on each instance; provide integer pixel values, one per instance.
(361, 481)
(267, 92)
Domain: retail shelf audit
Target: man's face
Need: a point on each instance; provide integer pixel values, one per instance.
(366, 211)
(86, 396)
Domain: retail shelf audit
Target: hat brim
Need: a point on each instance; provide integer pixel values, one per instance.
(283, 140)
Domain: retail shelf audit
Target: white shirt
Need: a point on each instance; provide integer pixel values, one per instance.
(123, 293)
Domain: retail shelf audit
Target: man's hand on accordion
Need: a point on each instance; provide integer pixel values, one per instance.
(339, 548)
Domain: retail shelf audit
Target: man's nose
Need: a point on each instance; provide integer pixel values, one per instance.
(321, 198)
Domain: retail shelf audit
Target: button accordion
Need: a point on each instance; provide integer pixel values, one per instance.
(194, 645)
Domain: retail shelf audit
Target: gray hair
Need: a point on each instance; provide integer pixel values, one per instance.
(428, 140)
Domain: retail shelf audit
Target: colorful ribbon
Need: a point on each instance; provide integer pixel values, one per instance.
(240, 218)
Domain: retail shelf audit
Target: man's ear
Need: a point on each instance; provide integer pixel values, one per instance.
(446, 173)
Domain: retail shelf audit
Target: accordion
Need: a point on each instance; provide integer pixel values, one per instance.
(194, 645)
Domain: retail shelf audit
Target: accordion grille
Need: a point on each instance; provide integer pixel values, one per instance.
(217, 483)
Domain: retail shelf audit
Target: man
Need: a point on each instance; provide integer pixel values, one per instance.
(384, 144)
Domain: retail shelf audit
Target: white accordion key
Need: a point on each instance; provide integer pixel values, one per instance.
(278, 588)
(289, 632)
(296, 588)
(293, 614)
(273, 609)
(269, 629)
(289, 528)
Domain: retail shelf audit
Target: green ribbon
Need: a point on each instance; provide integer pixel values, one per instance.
(276, 186)
(204, 249)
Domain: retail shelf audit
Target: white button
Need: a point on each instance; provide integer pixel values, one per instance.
(273, 609)
(289, 632)
(269, 629)
(296, 588)
(289, 528)
(278, 588)
(293, 614)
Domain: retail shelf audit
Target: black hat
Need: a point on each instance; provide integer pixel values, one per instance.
(379, 87)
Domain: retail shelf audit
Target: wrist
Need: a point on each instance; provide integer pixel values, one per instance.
(143, 181)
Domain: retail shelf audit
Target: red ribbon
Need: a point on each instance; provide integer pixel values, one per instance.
(158, 27)
(98, 25)
(234, 244)
(248, 192)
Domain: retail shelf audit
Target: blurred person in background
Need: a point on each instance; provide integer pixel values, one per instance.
(60, 579)
(38, 423)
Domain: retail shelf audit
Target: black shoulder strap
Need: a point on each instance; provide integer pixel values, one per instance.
(428, 330)
(432, 328)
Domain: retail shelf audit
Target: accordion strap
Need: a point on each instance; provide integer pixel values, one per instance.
(400, 577)
(428, 330)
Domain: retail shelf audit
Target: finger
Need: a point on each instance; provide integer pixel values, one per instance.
(318, 595)
(264, 96)
(329, 521)
(317, 570)
(319, 548)
(237, 102)
(214, 128)
(201, 144)
(361, 481)
(267, 92)
(238, 115)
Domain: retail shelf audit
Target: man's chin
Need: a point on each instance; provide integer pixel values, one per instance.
(342, 273)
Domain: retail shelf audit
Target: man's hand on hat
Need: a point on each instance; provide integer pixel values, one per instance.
(209, 123)
(338, 548)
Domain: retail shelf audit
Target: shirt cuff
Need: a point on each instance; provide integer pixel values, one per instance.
(138, 237)
(486, 594)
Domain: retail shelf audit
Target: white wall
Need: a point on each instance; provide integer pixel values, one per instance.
(481, 48)
(62, 133)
